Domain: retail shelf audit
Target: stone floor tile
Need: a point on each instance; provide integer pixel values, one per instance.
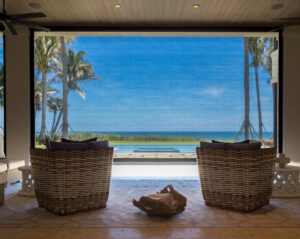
(240, 217)
(289, 224)
(24, 212)
(264, 225)
(28, 225)
(246, 224)
(13, 221)
(256, 216)
(56, 221)
(9, 225)
(262, 220)
(24, 215)
(50, 225)
(71, 224)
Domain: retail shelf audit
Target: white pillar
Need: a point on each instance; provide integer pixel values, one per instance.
(17, 58)
(291, 95)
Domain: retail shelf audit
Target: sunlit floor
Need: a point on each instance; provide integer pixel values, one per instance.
(122, 220)
(154, 170)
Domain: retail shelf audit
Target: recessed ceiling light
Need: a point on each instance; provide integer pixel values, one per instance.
(277, 6)
(118, 6)
(34, 5)
(196, 6)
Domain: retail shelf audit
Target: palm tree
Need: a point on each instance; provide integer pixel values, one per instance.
(55, 106)
(257, 48)
(64, 65)
(46, 49)
(1, 85)
(246, 127)
(271, 45)
(74, 69)
(246, 88)
(38, 93)
(37, 96)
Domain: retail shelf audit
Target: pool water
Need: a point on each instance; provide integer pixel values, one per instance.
(155, 148)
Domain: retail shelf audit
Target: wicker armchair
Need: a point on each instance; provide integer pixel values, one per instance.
(240, 180)
(67, 182)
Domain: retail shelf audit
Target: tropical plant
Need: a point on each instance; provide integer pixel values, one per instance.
(38, 94)
(74, 69)
(270, 46)
(46, 49)
(55, 106)
(257, 48)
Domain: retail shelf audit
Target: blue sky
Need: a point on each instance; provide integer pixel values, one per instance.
(165, 84)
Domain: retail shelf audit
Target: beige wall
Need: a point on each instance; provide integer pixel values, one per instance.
(291, 99)
(17, 96)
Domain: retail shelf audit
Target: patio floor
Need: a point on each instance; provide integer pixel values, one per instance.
(23, 212)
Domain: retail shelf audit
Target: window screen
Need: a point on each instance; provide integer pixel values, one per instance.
(155, 96)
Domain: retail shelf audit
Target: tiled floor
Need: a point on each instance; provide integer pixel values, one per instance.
(150, 233)
(23, 212)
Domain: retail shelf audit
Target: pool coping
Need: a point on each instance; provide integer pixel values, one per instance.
(161, 160)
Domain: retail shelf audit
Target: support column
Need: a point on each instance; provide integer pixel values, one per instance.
(17, 63)
(291, 95)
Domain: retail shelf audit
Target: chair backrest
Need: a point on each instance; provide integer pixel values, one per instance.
(264, 155)
(71, 173)
(224, 170)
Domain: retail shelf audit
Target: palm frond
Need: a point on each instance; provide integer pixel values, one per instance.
(78, 70)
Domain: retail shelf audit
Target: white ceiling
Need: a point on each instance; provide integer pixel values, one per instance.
(158, 12)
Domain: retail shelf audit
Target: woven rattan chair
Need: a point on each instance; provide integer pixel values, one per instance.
(240, 180)
(67, 182)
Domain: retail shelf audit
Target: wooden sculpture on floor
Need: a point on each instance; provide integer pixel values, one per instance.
(168, 202)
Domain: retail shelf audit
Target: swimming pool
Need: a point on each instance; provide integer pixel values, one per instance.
(155, 148)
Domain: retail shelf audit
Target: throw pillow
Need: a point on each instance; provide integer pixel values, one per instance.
(98, 144)
(250, 146)
(240, 142)
(78, 141)
(207, 145)
(68, 146)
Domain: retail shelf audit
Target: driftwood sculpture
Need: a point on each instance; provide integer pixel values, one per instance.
(168, 202)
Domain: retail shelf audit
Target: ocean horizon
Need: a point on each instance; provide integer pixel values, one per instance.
(221, 135)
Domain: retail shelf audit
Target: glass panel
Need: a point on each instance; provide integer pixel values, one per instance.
(155, 96)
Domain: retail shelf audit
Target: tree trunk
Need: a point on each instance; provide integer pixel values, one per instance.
(44, 106)
(65, 123)
(246, 89)
(53, 123)
(57, 123)
(260, 123)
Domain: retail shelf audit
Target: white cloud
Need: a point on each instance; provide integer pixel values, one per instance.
(213, 91)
